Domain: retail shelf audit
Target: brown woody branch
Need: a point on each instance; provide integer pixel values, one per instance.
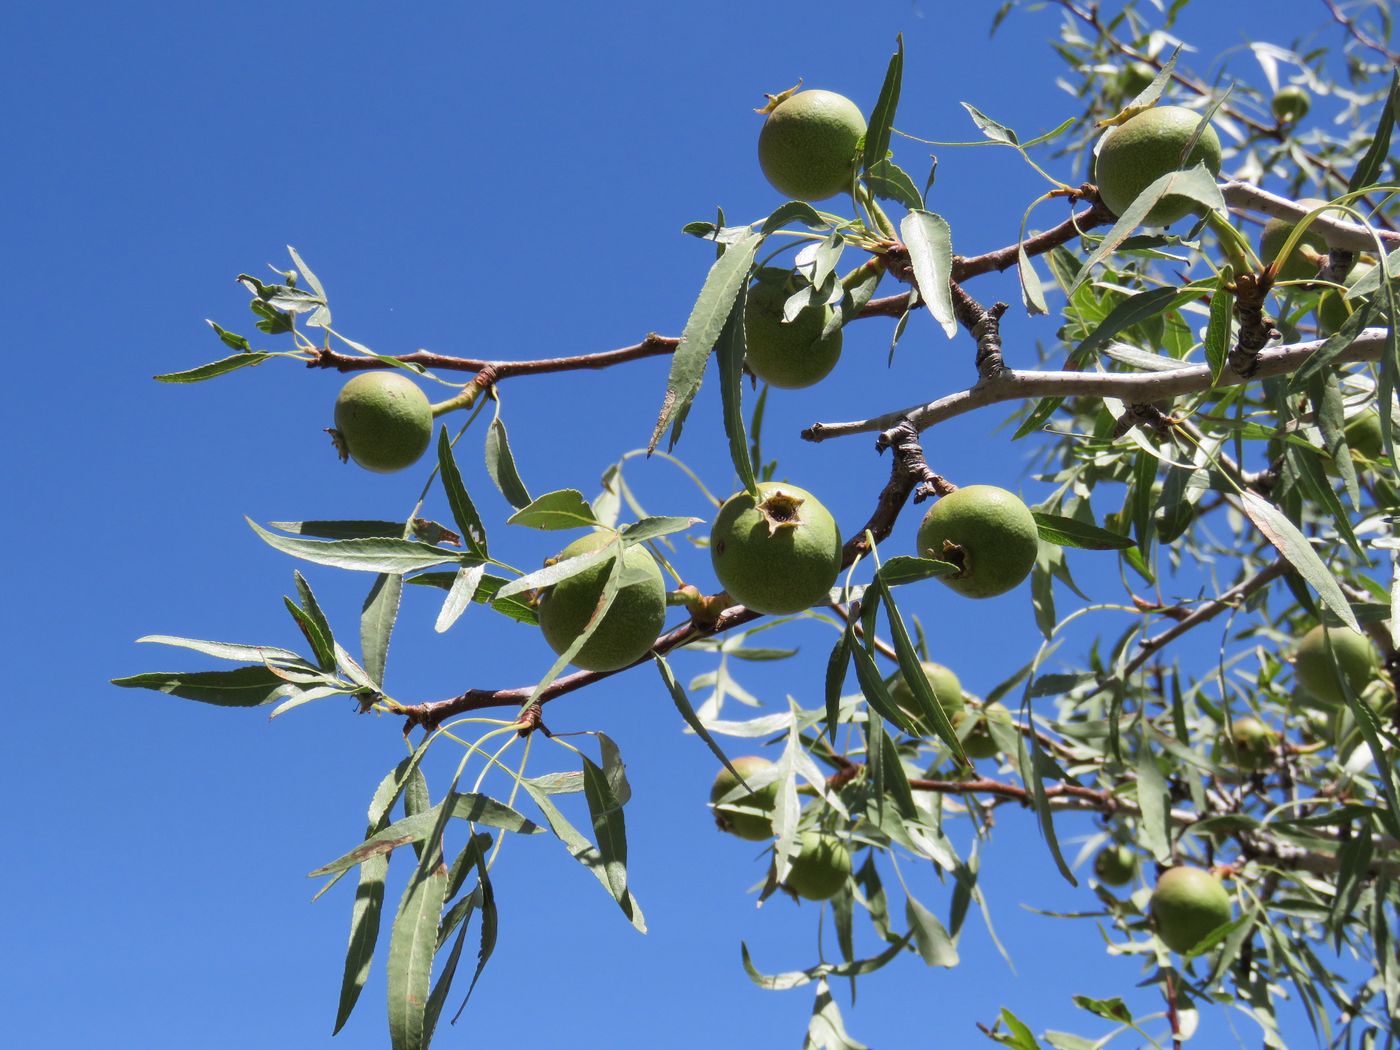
(652, 346)
(1231, 599)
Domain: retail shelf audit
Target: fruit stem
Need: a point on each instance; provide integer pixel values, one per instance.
(882, 221)
(1233, 244)
(859, 275)
(465, 399)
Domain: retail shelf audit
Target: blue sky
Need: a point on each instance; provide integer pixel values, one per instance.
(488, 181)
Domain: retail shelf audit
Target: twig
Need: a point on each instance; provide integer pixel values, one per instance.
(1133, 387)
(1207, 611)
(1360, 37)
(652, 346)
(984, 325)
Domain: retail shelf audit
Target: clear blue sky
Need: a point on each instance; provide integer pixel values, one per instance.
(489, 180)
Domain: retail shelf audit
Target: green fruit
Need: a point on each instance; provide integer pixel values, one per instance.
(820, 868)
(947, 690)
(1115, 865)
(1251, 745)
(1188, 904)
(1312, 664)
(733, 815)
(1298, 267)
(808, 143)
(987, 532)
(1333, 309)
(1134, 78)
(1363, 434)
(632, 622)
(384, 421)
(780, 555)
(1364, 439)
(1291, 104)
(1142, 149)
(979, 743)
(787, 354)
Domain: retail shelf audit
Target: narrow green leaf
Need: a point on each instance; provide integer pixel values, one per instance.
(702, 330)
(904, 568)
(729, 353)
(1041, 767)
(313, 623)
(486, 594)
(230, 650)
(582, 850)
(240, 687)
(836, 666)
(935, 943)
(215, 368)
(1196, 183)
(459, 596)
(993, 130)
(469, 806)
(458, 917)
(877, 135)
(559, 570)
(1019, 1035)
(1222, 311)
(877, 694)
(562, 509)
(1044, 409)
(785, 215)
(490, 920)
(687, 712)
(1332, 347)
(500, 464)
(1071, 532)
(826, 1030)
(1131, 311)
(888, 181)
(896, 780)
(797, 978)
(609, 827)
(1294, 546)
(463, 510)
(411, 945)
(369, 894)
(1154, 829)
(605, 600)
(358, 529)
(1368, 169)
(930, 245)
(930, 711)
(367, 555)
(377, 616)
(232, 340)
(654, 527)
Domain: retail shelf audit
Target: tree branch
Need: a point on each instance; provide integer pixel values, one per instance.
(1337, 232)
(904, 476)
(1133, 387)
(661, 345)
